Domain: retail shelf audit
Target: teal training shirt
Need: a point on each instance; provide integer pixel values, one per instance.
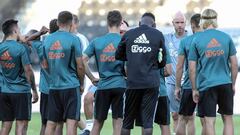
(61, 50)
(162, 88)
(110, 70)
(13, 58)
(184, 51)
(44, 77)
(212, 49)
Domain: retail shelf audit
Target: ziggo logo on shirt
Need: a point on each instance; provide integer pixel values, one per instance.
(214, 53)
(53, 55)
(8, 65)
(106, 58)
(140, 49)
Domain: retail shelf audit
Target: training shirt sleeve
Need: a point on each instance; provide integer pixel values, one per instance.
(181, 48)
(90, 50)
(121, 50)
(38, 46)
(232, 49)
(169, 61)
(193, 53)
(25, 59)
(77, 47)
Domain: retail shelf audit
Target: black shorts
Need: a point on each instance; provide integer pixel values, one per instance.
(104, 99)
(64, 104)
(162, 116)
(15, 106)
(44, 108)
(140, 104)
(221, 95)
(187, 105)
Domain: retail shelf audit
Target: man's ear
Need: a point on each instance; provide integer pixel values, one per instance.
(154, 25)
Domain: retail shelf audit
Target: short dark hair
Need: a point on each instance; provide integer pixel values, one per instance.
(114, 18)
(126, 23)
(149, 14)
(75, 19)
(53, 27)
(65, 17)
(8, 25)
(33, 31)
(195, 19)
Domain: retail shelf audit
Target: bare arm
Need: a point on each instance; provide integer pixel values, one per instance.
(43, 31)
(192, 71)
(31, 80)
(179, 70)
(168, 70)
(234, 70)
(88, 72)
(80, 70)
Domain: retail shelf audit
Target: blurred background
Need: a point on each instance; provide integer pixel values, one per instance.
(33, 14)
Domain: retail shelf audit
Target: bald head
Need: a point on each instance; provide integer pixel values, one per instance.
(179, 23)
(179, 15)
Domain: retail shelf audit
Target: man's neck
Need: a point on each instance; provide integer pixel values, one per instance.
(66, 29)
(11, 38)
(198, 30)
(113, 29)
(210, 27)
(75, 31)
(180, 35)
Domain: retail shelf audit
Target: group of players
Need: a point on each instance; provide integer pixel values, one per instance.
(132, 66)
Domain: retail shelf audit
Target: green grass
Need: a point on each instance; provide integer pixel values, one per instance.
(35, 125)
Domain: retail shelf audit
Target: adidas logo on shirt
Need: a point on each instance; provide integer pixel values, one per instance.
(6, 56)
(56, 46)
(142, 39)
(109, 48)
(213, 43)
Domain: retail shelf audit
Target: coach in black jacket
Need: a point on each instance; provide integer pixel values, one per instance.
(144, 50)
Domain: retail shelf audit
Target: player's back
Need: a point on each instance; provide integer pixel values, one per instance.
(13, 57)
(61, 49)
(142, 50)
(214, 52)
(110, 69)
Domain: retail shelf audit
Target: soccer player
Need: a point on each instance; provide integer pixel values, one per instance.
(187, 105)
(84, 43)
(162, 115)
(18, 79)
(89, 97)
(213, 72)
(141, 47)
(64, 63)
(33, 39)
(43, 84)
(112, 84)
(172, 41)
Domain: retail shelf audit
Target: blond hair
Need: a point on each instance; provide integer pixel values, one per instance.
(209, 17)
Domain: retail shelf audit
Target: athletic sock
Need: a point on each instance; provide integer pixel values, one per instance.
(89, 124)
